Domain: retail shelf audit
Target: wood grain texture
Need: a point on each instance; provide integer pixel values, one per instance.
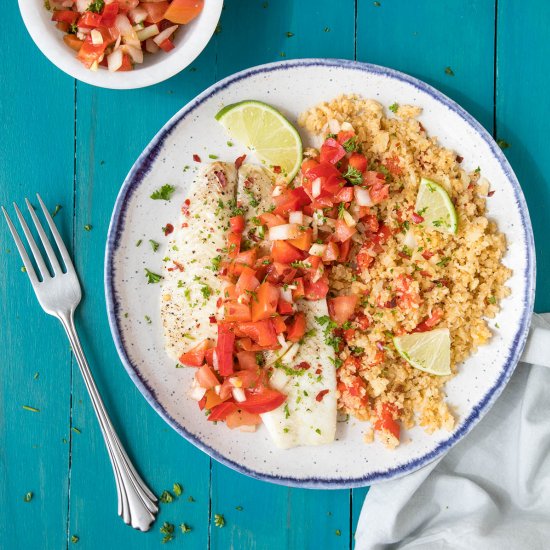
(33, 456)
(522, 115)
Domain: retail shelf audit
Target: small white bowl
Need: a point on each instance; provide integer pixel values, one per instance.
(190, 40)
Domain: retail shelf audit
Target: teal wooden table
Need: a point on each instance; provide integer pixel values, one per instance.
(74, 144)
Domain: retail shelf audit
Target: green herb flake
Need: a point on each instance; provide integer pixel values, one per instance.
(230, 144)
(166, 497)
(76, 430)
(213, 157)
(351, 145)
(190, 499)
(88, 227)
(492, 300)
(185, 528)
(318, 431)
(503, 144)
(219, 520)
(36, 375)
(449, 71)
(154, 245)
(152, 277)
(497, 325)
(286, 411)
(164, 193)
(353, 176)
(31, 409)
(239, 508)
(57, 208)
(444, 261)
(139, 242)
(28, 497)
(289, 34)
(148, 319)
(338, 532)
(178, 489)
(96, 6)
(326, 29)
(393, 107)
(75, 539)
(167, 530)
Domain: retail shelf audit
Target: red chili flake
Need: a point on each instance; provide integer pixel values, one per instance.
(196, 158)
(459, 159)
(248, 183)
(427, 254)
(304, 365)
(470, 186)
(212, 319)
(417, 218)
(168, 229)
(277, 169)
(219, 302)
(318, 371)
(425, 274)
(185, 224)
(320, 395)
(221, 178)
(490, 193)
(177, 266)
(239, 161)
(421, 127)
(391, 304)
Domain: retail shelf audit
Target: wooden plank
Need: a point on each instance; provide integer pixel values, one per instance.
(522, 114)
(274, 516)
(33, 457)
(112, 130)
(423, 38)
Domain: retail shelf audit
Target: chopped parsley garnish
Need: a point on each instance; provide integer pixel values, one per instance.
(164, 193)
(206, 291)
(154, 245)
(253, 201)
(422, 211)
(330, 338)
(444, 261)
(289, 34)
(96, 6)
(285, 409)
(503, 144)
(213, 157)
(393, 107)
(219, 520)
(28, 497)
(148, 319)
(152, 277)
(56, 210)
(139, 242)
(405, 226)
(289, 371)
(492, 300)
(166, 497)
(338, 532)
(230, 144)
(300, 264)
(439, 223)
(31, 409)
(235, 209)
(336, 361)
(187, 294)
(318, 431)
(449, 71)
(341, 210)
(167, 530)
(407, 251)
(185, 528)
(477, 170)
(351, 145)
(215, 263)
(178, 489)
(356, 350)
(76, 430)
(353, 176)
(75, 539)
(88, 227)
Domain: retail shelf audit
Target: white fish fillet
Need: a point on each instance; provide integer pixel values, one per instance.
(186, 307)
(303, 420)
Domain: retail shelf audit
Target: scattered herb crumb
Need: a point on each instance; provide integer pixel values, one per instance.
(503, 144)
(57, 208)
(239, 508)
(139, 242)
(326, 29)
(76, 430)
(23, 269)
(154, 245)
(32, 409)
(393, 107)
(75, 539)
(164, 193)
(213, 157)
(449, 71)
(218, 29)
(377, 4)
(36, 375)
(337, 532)
(289, 34)
(88, 227)
(185, 528)
(167, 530)
(152, 277)
(28, 497)
(166, 497)
(230, 144)
(219, 520)
(178, 489)
(148, 319)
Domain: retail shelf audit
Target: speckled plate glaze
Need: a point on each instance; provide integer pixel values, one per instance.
(292, 87)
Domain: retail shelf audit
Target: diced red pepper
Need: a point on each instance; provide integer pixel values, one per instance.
(224, 350)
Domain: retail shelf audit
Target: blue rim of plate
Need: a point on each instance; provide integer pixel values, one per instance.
(143, 165)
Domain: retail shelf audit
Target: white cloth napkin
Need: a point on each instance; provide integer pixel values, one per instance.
(491, 491)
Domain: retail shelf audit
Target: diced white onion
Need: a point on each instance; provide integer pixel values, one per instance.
(334, 126)
(296, 217)
(138, 27)
(362, 196)
(117, 43)
(238, 395)
(150, 46)
(316, 188)
(166, 33)
(284, 232)
(197, 393)
(281, 339)
(123, 25)
(148, 32)
(319, 217)
(82, 5)
(348, 218)
(135, 53)
(97, 37)
(286, 293)
(218, 389)
(347, 127)
(247, 429)
(306, 220)
(277, 190)
(114, 60)
(409, 241)
(317, 249)
(81, 35)
(215, 362)
(138, 15)
(318, 274)
(94, 66)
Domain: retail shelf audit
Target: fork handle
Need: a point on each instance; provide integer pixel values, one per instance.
(136, 502)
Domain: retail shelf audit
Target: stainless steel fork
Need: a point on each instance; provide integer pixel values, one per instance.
(59, 295)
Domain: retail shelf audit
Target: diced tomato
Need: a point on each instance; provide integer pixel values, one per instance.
(371, 222)
(284, 307)
(73, 42)
(283, 252)
(155, 11)
(242, 260)
(271, 220)
(247, 281)
(202, 403)
(297, 327)
(308, 164)
(90, 53)
(195, 356)
(372, 178)
(65, 16)
(344, 195)
(357, 383)
(279, 324)
(342, 231)
(209, 356)
(126, 5)
(127, 64)
(237, 312)
(224, 350)
(317, 290)
(263, 401)
(290, 200)
(264, 304)
(167, 45)
(364, 257)
(427, 254)
(233, 244)
(237, 224)
(109, 13)
(392, 164)
(379, 192)
(299, 291)
(261, 332)
(212, 399)
(222, 411)
(386, 421)
(322, 170)
(362, 321)
(183, 11)
(331, 253)
(416, 218)
(242, 418)
(279, 273)
(320, 395)
(431, 321)
(341, 308)
(303, 242)
(349, 334)
(382, 235)
(331, 151)
(206, 378)
(344, 135)
(247, 360)
(89, 20)
(344, 251)
(358, 161)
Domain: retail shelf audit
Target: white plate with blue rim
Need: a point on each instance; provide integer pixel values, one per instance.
(348, 461)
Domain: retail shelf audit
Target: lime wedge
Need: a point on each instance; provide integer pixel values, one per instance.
(264, 130)
(435, 206)
(426, 351)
